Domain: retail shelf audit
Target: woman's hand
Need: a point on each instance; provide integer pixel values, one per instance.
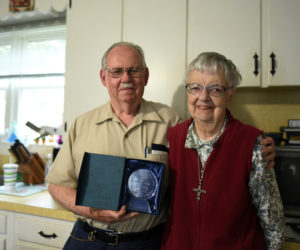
(268, 151)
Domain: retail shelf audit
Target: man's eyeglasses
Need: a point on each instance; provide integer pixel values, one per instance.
(215, 90)
(118, 72)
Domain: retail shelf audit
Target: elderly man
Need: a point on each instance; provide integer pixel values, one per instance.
(124, 126)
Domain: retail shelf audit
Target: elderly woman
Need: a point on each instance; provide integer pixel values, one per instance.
(222, 195)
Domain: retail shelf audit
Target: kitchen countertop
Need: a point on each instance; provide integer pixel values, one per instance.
(40, 204)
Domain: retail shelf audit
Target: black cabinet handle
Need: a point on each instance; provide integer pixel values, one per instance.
(256, 65)
(273, 64)
(47, 235)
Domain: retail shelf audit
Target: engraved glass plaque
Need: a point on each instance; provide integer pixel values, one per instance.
(142, 183)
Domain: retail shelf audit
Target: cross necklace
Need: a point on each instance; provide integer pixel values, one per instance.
(199, 190)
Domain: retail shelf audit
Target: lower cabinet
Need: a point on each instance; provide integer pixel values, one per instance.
(6, 230)
(2, 243)
(29, 232)
(31, 246)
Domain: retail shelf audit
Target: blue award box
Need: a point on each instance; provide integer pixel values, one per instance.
(108, 182)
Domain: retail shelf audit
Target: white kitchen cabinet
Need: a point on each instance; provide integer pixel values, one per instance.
(172, 33)
(242, 29)
(2, 231)
(91, 28)
(2, 243)
(3, 224)
(160, 28)
(281, 36)
(29, 232)
(229, 27)
(39, 232)
(6, 230)
(31, 246)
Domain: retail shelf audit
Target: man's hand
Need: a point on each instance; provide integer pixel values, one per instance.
(66, 197)
(110, 216)
(268, 151)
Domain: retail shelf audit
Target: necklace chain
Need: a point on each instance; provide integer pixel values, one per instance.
(215, 137)
(199, 190)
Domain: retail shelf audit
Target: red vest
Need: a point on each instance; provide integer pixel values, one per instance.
(224, 218)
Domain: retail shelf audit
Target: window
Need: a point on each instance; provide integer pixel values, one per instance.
(32, 67)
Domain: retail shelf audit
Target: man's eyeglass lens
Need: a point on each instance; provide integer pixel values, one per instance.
(118, 72)
(213, 90)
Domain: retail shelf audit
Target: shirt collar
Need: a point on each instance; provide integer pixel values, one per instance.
(105, 113)
(193, 141)
(145, 113)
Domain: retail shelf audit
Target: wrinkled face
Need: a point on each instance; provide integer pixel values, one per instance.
(127, 87)
(203, 107)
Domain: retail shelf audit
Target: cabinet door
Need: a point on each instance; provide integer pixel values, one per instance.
(91, 28)
(229, 27)
(3, 223)
(159, 27)
(2, 231)
(6, 230)
(37, 230)
(281, 36)
(2, 243)
(23, 245)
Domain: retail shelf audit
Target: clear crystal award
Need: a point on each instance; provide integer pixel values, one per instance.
(142, 184)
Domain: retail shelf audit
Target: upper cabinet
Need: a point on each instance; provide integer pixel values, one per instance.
(172, 33)
(281, 39)
(160, 28)
(91, 28)
(260, 37)
(230, 27)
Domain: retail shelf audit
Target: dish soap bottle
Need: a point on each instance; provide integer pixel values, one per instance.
(47, 167)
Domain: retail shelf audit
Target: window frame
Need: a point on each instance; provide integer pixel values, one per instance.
(18, 38)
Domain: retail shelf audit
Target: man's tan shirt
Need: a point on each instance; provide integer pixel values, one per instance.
(100, 131)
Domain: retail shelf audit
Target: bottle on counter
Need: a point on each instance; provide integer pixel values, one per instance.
(47, 167)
